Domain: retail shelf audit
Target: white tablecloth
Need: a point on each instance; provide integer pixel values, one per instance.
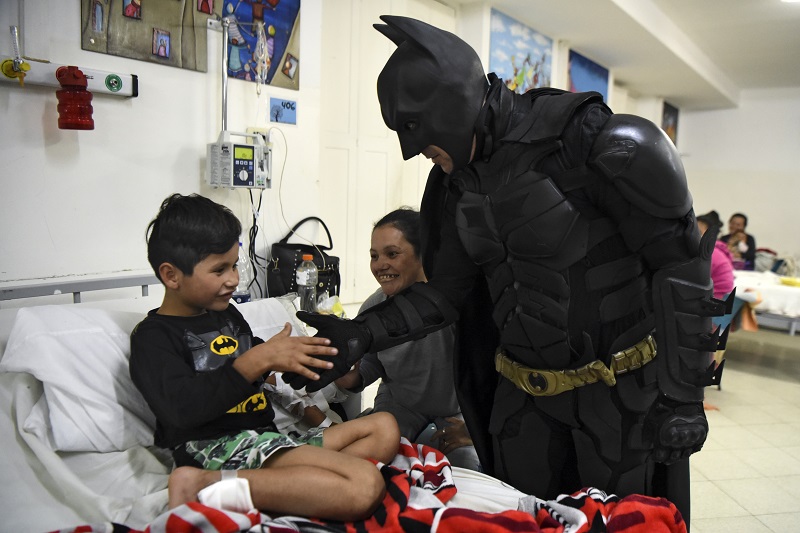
(778, 298)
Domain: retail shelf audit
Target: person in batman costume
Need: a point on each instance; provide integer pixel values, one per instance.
(562, 237)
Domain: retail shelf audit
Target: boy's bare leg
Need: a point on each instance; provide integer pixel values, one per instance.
(375, 436)
(304, 481)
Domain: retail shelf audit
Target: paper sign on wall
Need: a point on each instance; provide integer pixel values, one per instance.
(283, 111)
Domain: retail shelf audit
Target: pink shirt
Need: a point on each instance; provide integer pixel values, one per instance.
(721, 270)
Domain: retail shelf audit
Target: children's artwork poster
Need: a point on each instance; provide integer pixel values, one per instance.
(669, 122)
(167, 32)
(283, 111)
(586, 75)
(264, 41)
(518, 54)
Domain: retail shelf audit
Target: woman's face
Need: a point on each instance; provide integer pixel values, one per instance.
(392, 260)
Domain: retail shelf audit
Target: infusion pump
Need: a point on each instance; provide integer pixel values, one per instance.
(239, 165)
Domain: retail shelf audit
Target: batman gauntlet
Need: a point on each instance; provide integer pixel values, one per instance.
(349, 337)
(677, 429)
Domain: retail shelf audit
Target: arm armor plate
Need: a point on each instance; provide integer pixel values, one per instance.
(643, 165)
(411, 314)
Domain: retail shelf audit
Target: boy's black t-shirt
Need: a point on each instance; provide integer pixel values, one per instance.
(183, 367)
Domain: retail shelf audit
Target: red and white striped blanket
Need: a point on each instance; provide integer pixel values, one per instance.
(419, 484)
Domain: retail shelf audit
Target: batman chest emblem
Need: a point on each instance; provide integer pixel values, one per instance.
(528, 217)
(209, 350)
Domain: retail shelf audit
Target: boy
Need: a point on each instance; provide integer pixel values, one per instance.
(201, 372)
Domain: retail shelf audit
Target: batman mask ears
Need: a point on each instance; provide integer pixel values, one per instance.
(431, 89)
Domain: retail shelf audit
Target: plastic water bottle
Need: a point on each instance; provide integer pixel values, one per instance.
(242, 292)
(306, 279)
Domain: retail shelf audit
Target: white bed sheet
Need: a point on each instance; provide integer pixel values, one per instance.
(41, 490)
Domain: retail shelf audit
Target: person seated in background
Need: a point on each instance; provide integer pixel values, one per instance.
(417, 377)
(721, 272)
(741, 245)
(202, 372)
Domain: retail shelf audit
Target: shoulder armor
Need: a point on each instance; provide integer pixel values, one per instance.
(641, 161)
(553, 109)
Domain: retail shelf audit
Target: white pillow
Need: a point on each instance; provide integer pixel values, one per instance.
(81, 357)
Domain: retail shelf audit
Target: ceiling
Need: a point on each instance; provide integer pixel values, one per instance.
(696, 54)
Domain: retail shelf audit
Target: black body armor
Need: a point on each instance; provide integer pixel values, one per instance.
(570, 250)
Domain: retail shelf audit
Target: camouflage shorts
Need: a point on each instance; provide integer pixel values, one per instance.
(247, 449)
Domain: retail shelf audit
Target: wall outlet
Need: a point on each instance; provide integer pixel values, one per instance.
(264, 132)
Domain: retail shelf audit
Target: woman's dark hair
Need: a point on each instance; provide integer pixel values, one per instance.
(743, 217)
(712, 222)
(188, 229)
(406, 220)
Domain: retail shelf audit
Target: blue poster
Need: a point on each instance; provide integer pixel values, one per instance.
(586, 75)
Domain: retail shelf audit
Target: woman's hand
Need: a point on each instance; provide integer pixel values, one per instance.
(351, 380)
(452, 436)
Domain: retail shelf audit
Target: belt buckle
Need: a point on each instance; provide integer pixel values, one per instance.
(520, 376)
(552, 387)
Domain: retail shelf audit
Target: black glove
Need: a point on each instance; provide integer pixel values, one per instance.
(677, 429)
(352, 339)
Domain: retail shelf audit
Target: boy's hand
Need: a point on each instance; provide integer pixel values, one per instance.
(351, 339)
(284, 353)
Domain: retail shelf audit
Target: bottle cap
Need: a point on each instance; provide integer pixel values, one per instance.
(308, 257)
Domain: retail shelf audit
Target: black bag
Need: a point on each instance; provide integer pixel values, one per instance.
(286, 257)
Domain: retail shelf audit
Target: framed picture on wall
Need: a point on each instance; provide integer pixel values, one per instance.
(161, 43)
(143, 30)
(669, 122)
(518, 54)
(586, 75)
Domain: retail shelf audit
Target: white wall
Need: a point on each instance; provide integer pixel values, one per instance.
(78, 202)
(748, 160)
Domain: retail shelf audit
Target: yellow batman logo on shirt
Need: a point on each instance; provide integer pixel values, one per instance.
(256, 402)
(224, 345)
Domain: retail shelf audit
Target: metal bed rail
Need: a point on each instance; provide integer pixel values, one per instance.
(53, 286)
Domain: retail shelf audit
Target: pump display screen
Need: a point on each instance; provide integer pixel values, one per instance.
(243, 152)
(243, 165)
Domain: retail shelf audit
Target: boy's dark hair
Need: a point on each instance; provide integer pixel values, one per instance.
(188, 229)
(406, 220)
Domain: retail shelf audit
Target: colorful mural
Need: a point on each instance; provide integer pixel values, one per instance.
(172, 33)
(274, 57)
(519, 55)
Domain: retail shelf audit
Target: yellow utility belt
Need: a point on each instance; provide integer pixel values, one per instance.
(558, 381)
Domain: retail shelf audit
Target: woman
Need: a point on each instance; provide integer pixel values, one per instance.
(417, 377)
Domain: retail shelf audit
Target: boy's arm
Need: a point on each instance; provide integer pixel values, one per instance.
(177, 395)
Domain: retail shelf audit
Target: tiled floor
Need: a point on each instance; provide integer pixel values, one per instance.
(747, 476)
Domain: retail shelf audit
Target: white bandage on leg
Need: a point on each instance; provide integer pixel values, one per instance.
(231, 493)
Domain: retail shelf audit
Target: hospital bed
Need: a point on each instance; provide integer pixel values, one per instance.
(76, 437)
